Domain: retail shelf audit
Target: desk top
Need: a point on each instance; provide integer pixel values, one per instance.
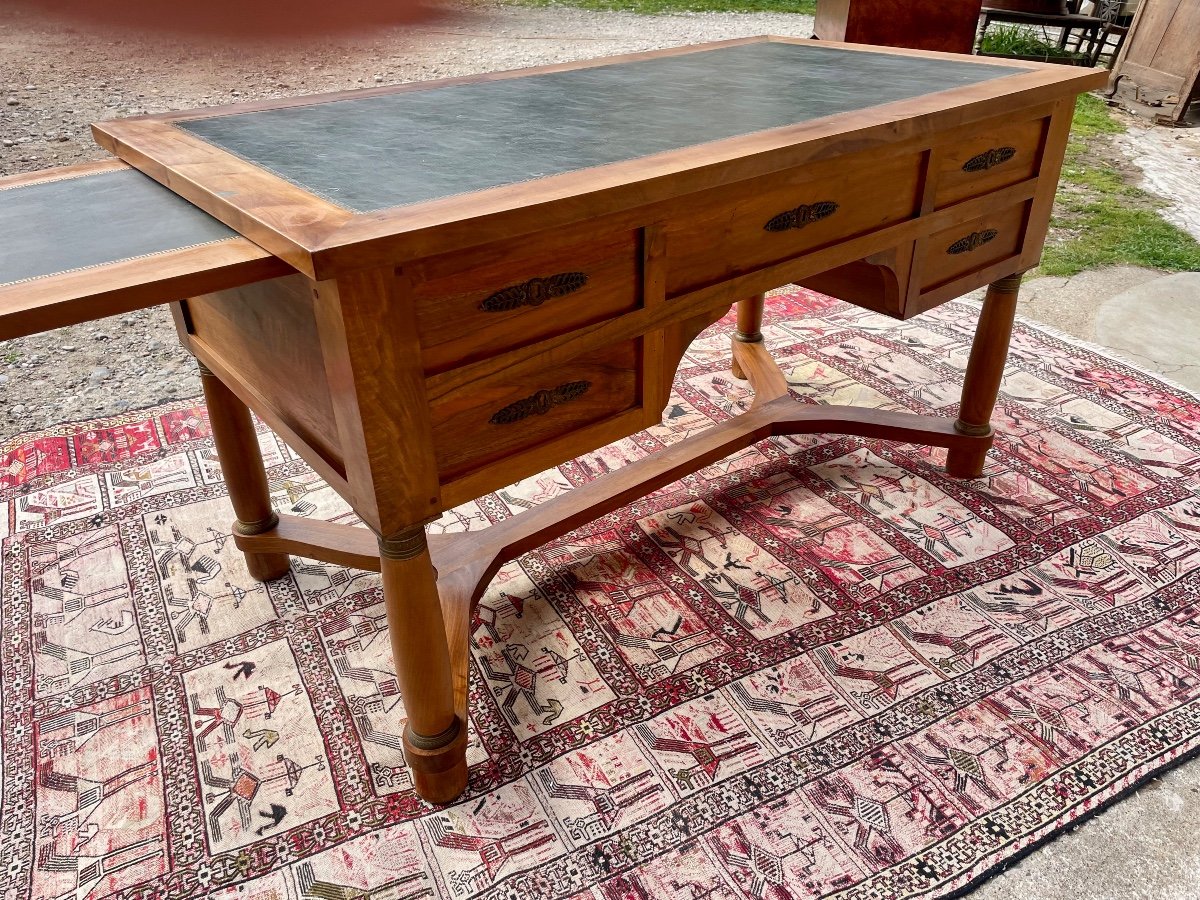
(343, 181)
(367, 154)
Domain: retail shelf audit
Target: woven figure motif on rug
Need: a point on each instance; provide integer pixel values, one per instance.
(819, 668)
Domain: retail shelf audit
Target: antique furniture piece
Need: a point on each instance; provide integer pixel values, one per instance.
(469, 281)
(1117, 16)
(1061, 14)
(1158, 68)
(947, 25)
(1040, 7)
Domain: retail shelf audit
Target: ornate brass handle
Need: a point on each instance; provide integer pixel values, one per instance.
(801, 216)
(989, 158)
(972, 241)
(534, 292)
(540, 403)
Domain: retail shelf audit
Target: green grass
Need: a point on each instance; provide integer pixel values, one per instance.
(1015, 41)
(655, 7)
(1100, 219)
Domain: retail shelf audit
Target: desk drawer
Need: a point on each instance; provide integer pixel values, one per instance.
(963, 249)
(989, 161)
(484, 302)
(499, 415)
(756, 223)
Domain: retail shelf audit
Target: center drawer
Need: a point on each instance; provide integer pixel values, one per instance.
(501, 415)
(745, 226)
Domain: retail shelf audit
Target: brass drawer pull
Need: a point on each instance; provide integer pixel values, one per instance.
(540, 403)
(989, 158)
(534, 292)
(972, 241)
(801, 216)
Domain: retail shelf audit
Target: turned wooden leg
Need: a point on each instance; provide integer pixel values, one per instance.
(245, 477)
(749, 328)
(985, 368)
(435, 739)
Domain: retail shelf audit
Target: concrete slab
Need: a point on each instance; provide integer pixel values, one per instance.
(1142, 848)
(1071, 304)
(1144, 316)
(1157, 325)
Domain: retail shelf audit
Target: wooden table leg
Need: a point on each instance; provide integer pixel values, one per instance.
(985, 368)
(435, 738)
(245, 477)
(749, 327)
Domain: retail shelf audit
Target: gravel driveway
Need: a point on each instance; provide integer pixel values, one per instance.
(58, 81)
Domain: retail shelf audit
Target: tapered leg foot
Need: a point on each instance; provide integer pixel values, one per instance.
(749, 329)
(439, 774)
(245, 477)
(967, 462)
(735, 367)
(264, 566)
(985, 369)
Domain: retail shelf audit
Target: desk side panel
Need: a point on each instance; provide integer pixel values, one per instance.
(264, 342)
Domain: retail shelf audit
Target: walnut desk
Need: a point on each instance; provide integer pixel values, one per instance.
(442, 288)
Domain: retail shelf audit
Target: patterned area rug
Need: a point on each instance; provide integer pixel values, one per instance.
(817, 669)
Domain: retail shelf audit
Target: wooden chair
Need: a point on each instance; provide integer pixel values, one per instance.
(1072, 20)
(947, 25)
(1117, 16)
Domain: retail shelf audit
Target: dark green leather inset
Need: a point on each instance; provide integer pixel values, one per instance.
(90, 220)
(378, 152)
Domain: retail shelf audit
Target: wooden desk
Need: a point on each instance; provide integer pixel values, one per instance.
(487, 277)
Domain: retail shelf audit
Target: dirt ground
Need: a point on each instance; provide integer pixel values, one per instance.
(56, 81)
(1169, 162)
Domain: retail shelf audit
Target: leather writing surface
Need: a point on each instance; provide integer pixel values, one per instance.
(90, 220)
(372, 153)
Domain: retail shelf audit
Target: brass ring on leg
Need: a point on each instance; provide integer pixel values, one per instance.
(249, 529)
(408, 544)
(973, 430)
(435, 742)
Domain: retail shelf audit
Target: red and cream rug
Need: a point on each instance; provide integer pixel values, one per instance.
(817, 669)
